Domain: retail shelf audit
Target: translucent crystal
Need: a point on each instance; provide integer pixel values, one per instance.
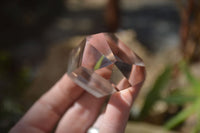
(102, 65)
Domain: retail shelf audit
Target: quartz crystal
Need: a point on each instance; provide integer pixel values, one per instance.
(102, 65)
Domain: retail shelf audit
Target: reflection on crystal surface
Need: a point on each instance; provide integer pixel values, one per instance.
(92, 82)
(104, 54)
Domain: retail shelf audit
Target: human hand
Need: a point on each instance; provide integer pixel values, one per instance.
(68, 108)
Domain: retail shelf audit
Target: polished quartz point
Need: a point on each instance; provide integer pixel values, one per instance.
(102, 65)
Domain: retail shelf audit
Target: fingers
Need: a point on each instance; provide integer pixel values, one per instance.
(117, 111)
(45, 113)
(81, 115)
(84, 111)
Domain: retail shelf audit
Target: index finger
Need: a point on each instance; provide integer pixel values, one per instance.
(45, 113)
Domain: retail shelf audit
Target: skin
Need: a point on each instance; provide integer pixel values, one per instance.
(67, 108)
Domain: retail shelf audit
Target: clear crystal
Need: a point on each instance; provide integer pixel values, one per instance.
(103, 54)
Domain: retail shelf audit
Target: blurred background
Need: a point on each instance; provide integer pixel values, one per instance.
(36, 37)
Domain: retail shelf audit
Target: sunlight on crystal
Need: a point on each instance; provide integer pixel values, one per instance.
(103, 55)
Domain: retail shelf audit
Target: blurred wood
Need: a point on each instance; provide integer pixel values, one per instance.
(185, 18)
(112, 15)
(190, 30)
(195, 32)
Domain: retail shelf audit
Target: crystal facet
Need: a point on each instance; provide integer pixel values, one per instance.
(102, 65)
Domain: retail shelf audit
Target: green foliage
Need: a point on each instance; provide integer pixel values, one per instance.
(14, 81)
(187, 97)
(197, 127)
(154, 94)
(183, 98)
(178, 99)
(180, 117)
(195, 84)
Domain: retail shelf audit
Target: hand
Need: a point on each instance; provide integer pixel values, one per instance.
(67, 108)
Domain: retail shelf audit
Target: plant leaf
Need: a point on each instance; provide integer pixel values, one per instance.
(154, 93)
(180, 117)
(193, 81)
(179, 99)
(197, 126)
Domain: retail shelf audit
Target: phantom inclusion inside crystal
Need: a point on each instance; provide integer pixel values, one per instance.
(102, 65)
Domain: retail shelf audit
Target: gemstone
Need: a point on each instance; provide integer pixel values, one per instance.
(103, 65)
